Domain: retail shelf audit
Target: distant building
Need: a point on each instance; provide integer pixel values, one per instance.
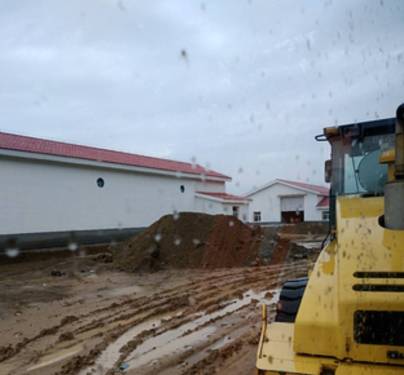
(288, 202)
(49, 187)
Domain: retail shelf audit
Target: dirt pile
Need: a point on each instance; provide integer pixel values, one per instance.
(190, 240)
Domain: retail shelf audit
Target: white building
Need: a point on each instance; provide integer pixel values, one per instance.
(49, 186)
(217, 203)
(288, 201)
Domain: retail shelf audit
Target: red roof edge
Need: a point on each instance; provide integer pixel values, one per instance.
(321, 190)
(224, 196)
(324, 202)
(23, 143)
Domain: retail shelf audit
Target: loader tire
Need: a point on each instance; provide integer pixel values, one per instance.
(289, 300)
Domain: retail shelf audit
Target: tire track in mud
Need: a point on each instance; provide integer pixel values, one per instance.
(253, 282)
(206, 293)
(214, 282)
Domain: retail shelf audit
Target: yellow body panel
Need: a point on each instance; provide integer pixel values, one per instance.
(324, 324)
(277, 356)
(323, 330)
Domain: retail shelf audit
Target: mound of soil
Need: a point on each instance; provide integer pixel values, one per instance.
(190, 240)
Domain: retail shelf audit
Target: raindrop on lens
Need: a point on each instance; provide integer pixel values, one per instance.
(176, 215)
(193, 161)
(72, 246)
(177, 241)
(157, 237)
(12, 252)
(231, 223)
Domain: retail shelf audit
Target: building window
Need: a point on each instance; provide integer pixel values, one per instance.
(182, 189)
(257, 216)
(325, 215)
(235, 211)
(100, 182)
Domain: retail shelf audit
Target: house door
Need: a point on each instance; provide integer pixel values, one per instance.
(292, 209)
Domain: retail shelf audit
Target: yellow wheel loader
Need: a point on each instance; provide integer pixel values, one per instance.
(348, 316)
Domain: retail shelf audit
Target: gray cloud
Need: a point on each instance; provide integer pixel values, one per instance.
(258, 79)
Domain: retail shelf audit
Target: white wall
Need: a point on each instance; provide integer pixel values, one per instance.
(40, 196)
(243, 210)
(311, 213)
(268, 202)
(212, 207)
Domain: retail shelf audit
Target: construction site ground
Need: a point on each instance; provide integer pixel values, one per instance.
(80, 315)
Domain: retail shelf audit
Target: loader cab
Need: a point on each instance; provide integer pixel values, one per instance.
(355, 168)
(347, 318)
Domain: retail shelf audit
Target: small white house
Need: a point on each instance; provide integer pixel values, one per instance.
(217, 203)
(49, 186)
(288, 202)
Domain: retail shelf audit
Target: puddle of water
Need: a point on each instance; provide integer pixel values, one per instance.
(149, 354)
(56, 357)
(222, 342)
(111, 354)
(117, 292)
(176, 339)
(309, 244)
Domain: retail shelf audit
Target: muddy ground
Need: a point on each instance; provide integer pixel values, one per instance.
(80, 313)
(93, 319)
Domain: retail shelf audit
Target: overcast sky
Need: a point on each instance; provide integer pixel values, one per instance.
(242, 86)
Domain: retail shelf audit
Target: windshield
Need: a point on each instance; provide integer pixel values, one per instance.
(356, 166)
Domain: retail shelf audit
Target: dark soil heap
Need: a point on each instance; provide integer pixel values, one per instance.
(190, 240)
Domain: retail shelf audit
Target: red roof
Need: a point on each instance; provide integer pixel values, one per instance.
(47, 147)
(223, 196)
(321, 190)
(324, 202)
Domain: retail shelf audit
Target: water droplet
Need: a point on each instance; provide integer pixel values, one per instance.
(176, 215)
(121, 6)
(231, 223)
(72, 246)
(196, 242)
(12, 252)
(157, 237)
(184, 54)
(193, 161)
(177, 241)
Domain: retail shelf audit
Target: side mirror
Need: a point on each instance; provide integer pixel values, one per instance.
(327, 171)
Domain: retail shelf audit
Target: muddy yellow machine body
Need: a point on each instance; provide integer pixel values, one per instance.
(351, 316)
